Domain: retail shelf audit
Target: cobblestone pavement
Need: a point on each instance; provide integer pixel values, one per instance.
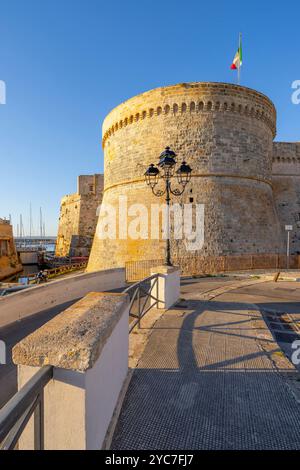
(205, 382)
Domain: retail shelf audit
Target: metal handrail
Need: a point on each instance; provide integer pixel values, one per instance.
(29, 400)
(18, 410)
(136, 292)
(62, 269)
(132, 286)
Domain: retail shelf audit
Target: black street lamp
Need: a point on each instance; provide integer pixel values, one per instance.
(167, 163)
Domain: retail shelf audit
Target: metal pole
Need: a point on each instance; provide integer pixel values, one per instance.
(239, 67)
(39, 423)
(40, 225)
(30, 221)
(288, 250)
(168, 250)
(139, 308)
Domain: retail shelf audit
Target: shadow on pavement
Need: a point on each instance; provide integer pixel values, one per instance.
(207, 385)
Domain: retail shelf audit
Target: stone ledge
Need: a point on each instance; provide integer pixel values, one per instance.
(75, 338)
(198, 175)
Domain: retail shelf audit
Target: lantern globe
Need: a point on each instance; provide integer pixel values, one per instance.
(167, 162)
(151, 175)
(184, 173)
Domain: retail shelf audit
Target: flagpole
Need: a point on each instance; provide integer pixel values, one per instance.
(239, 67)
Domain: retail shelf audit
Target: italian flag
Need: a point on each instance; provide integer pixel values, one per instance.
(238, 58)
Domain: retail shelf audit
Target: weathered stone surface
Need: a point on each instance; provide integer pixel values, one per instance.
(226, 133)
(286, 189)
(9, 260)
(75, 338)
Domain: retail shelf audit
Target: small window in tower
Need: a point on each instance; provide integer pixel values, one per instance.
(91, 187)
(191, 199)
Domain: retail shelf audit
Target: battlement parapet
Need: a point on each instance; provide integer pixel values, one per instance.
(191, 98)
(286, 158)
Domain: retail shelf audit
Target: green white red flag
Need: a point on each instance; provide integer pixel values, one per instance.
(238, 58)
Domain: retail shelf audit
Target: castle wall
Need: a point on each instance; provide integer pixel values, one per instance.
(286, 187)
(78, 217)
(9, 262)
(68, 223)
(225, 133)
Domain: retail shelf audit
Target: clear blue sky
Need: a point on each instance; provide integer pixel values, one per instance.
(66, 63)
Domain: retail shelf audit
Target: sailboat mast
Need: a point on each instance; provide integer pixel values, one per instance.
(30, 221)
(41, 222)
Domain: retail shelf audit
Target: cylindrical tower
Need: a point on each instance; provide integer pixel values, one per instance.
(225, 132)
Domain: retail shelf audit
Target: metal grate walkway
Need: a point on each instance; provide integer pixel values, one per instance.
(204, 383)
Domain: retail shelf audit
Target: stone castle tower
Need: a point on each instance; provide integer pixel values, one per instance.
(78, 217)
(9, 260)
(225, 132)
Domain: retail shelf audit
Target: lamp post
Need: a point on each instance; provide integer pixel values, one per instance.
(166, 169)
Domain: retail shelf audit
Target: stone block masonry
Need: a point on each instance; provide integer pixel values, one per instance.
(286, 189)
(78, 217)
(9, 261)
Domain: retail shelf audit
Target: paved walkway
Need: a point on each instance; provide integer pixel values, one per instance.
(205, 382)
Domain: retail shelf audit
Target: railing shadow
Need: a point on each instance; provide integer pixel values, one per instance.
(179, 400)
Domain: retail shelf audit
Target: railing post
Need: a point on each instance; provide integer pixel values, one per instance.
(39, 423)
(139, 307)
(168, 289)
